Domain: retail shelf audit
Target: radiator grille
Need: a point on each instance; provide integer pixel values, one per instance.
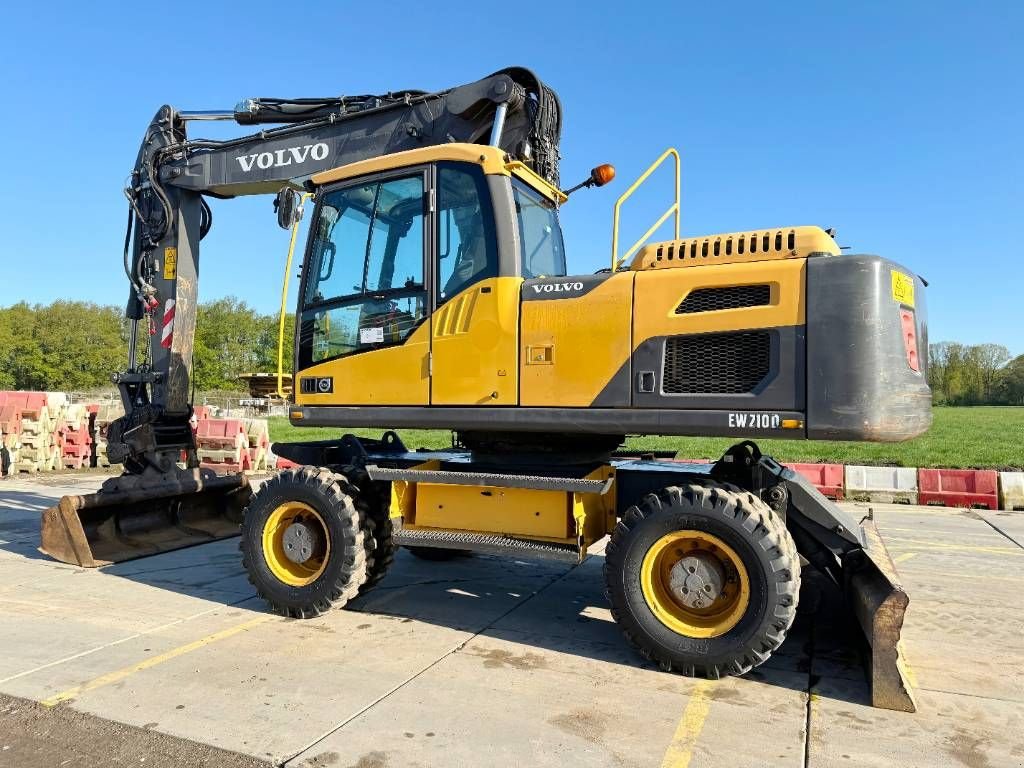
(716, 363)
(727, 297)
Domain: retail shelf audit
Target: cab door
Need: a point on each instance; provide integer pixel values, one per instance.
(364, 331)
(475, 322)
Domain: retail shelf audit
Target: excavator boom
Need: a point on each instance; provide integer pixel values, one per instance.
(168, 217)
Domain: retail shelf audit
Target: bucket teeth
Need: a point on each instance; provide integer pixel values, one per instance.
(137, 515)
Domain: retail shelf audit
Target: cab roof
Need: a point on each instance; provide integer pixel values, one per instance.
(492, 160)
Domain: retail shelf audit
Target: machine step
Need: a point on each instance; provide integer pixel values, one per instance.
(487, 543)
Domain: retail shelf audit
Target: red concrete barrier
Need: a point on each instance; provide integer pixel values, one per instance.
(222, 430)
(827, 478)
(958, 487)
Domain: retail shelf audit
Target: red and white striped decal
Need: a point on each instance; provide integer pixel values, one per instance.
(167, 334)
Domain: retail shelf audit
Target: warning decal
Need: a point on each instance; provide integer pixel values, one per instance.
(903, 288)
(170, 263)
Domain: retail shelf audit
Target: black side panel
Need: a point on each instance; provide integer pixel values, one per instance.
(570, 421)
(860, 385)
(714, 370)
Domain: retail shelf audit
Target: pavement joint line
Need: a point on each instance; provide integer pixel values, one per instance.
(999, 530)
(181, 650)
(808, 713)
(134, 636)
(969, 695)
(458, 647)
(680, 749)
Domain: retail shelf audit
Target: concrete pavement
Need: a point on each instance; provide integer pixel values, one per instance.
(484, 661)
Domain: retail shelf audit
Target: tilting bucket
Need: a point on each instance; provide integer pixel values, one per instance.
(879, 603)
(137, 515)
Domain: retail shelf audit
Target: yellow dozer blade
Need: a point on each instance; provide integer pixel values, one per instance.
(137, 515)
(879, 602)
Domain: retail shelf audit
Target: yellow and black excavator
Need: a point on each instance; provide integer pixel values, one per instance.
(435, 293)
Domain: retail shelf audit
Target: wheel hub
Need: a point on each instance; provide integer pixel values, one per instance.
(299, 541)
(697, 580)
(695, 583)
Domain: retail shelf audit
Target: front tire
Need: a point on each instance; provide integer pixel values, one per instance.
(703, 579)
(304, 542)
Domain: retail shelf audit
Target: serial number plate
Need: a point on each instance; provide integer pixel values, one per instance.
(903, 289)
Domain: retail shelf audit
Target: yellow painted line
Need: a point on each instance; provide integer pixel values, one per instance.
(904, 557)
(1016, 551)
(181, 650)
(680, 751)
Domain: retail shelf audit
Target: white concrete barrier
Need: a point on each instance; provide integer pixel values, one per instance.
(882, 484)
(1011, 490)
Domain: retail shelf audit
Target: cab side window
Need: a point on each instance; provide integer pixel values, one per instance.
(467, 250)
(541, 251)
(365, 287)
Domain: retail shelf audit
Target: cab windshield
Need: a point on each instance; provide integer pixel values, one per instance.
(541, 250)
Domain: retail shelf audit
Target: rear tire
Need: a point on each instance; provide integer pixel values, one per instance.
(373, 499)
(758, 567)
(342, 553)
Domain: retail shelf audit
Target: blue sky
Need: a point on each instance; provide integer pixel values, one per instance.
(897, 123)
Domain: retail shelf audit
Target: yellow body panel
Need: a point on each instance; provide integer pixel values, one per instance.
(476, 345)
(736, 248)
(594, 513)
(396, 375)
(661, 291)
(513, 511)
(572, 347)
(491, 159)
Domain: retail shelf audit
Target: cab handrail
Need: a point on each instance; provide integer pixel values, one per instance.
(672, 209)
(284, 302)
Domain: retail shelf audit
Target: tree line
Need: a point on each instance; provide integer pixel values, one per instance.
(975, 374)
(77, 345)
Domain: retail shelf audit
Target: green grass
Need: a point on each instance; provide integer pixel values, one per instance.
(970, 438)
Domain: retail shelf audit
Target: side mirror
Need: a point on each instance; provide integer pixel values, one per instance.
(288, 206)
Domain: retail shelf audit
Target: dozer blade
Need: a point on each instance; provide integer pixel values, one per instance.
(879, 603)
(137, 515)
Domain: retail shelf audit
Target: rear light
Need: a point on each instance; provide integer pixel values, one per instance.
(908, 324)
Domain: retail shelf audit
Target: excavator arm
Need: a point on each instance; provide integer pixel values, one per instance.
(155, 505)
(511, 109)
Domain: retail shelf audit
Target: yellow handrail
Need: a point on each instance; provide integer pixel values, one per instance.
(284, 303)
(674, 208)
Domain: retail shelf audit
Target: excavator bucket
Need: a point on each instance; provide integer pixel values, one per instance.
(879, 602)
(137, 515)
(868, 577)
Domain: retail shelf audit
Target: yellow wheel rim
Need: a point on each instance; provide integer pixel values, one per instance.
(276, 546)
(695, 584)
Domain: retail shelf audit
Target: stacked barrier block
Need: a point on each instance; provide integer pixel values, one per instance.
(881, 484)
(223, 445)
(36, 450)
(102, 416)
(74, 439)
(827, 478)
(1011, 490)
(10, 435)
(258, 431)
(958, 488)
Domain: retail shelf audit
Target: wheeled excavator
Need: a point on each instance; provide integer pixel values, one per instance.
(435, 293)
